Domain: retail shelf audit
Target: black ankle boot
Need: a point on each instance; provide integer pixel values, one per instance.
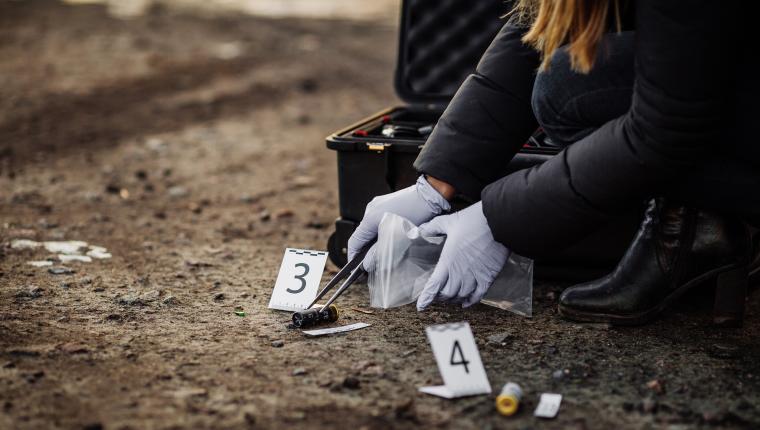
(675, 249)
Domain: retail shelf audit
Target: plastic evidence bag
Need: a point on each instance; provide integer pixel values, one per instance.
(404, 261)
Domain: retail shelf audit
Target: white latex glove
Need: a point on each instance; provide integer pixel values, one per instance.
(418, 203)
(470, 261)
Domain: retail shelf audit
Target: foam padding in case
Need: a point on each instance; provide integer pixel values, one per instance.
(440, 44)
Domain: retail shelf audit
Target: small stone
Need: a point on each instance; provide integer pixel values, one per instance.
(302, 181)
(500, 339)
(558, 375)
(31, 292)
(129, 300)
(247, 198)
(278, 343)
(177, 192)
(169, 300)
(265, 215)
(298, 371)
(61, 270)
(113, 188)
(186, 393)
(284, 213)
(317, 225)
(219, 297)
(656, 386)
(351, 382)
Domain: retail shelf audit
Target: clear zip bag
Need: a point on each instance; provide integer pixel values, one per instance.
(404, 261)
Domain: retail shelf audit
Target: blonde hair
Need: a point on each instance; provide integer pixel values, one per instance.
(578, 23)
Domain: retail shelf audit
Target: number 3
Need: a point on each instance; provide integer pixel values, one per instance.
(462, 360)
(300, 278)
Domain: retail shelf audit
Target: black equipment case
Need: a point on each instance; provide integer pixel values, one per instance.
(440, 43)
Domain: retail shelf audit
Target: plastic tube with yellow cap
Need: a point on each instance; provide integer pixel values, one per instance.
(509, 400)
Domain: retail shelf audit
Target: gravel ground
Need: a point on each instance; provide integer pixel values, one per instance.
(192, 148)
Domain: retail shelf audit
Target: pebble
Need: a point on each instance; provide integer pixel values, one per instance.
(177, 192)
(500, 339)
(219, 297)
(278, 343)
(558, 375)
(169, 300)
(298, 371)
(302, 181)
(129, 300)
(656, 386)
(247, 198)
(61, 270)
(265, 215)
(284, 213)
(31, 291)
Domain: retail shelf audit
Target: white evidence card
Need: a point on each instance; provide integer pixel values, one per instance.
(548, 405)
(298, 280)
(458, 361)
(333, 330)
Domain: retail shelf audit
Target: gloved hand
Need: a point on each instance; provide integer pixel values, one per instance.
(418, 203)
(470, 261)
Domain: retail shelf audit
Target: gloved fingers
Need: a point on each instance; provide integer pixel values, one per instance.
(478, 294)
(435, 227)
(469, 284)
(450, 290)
(370, 260)
(364, 233)
(433, 286)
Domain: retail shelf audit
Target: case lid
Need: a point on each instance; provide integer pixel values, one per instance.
(440, 43)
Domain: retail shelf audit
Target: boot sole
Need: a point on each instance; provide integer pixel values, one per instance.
(644, 317)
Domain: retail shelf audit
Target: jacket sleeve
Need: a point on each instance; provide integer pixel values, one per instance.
(488, 120)
(673, 121)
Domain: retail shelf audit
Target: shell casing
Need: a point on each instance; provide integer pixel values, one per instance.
(508, 401)
(313, 316)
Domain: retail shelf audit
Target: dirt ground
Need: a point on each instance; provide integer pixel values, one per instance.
(192, 148)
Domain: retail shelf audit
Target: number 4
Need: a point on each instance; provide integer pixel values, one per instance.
(462, 360)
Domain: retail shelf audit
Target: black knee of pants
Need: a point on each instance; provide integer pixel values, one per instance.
(570, 105)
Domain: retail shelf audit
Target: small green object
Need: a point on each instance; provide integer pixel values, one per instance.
(240, 313)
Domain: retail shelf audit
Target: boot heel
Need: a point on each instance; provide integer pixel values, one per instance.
(730, 297)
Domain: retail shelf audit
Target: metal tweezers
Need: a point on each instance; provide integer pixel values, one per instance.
(352, 270)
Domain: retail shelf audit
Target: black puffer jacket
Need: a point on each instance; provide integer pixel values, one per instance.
(690, 58)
